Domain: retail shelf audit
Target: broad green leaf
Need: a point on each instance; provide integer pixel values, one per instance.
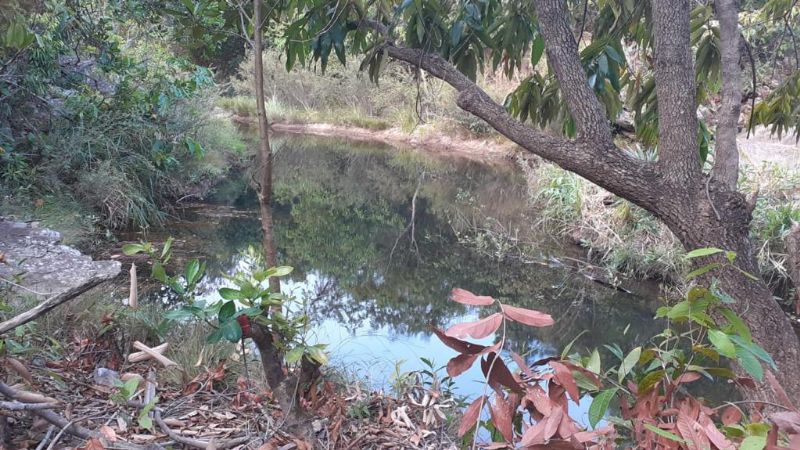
(753, 443)
(708, 251)
(537, 50)
(165, 252)
(280, 271)
(737, 325)
(318, 355)
(230, 294)
(680, 310)
(593, 365)
(158, 272)
(749, 363)
(192, 271)
(628, 363)
(231, 330)
(753, 348)
(568, 347)
(294, 355)
(227, 311)
(664, 433)
(702, 270)
(722, 342)
(132, 249)
(599, 406)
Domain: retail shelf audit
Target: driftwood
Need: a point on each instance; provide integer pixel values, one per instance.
(166, 362)
(144, 356)
(50, 303)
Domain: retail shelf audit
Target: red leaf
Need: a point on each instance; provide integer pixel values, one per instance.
(788, 421)
(778, 389)
(528, 316)
(692, 433)
(499, 375)
(471, 415)
(460, 364)
(714, 435)
(477, 330)
(468, 298)
(502, 417)
(457, 344)
(564, 377)
(552, 422)
(731, 415)
(523, 366)
(244, 323)
(534, 435)
(567, 427)
(687, 377)
(540, 400)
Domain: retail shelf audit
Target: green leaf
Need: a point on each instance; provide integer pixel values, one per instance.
(166, 251)
(158, 272)
(231, 330)
(294, 355)
(680, 310)
(737, 325)
(722, 343)
(753, 348)
(144, 419)
(280, 271)
(317, 354)
(230, 294)
(753, 443)
(707, 251)
(663, 433)
(702, 270)
(537, 50)
(192, 271)
(132, 249)
(568, 347)
(599, 406)
(628, 363)
(227, 311)
(749, 363)
(594, 362)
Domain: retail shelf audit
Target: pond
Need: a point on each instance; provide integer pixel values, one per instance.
(378, 238)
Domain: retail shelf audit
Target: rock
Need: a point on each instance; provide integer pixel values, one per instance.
(105, 377)
(34, 258)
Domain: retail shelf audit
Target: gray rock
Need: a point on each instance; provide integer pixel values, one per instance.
(34, 258)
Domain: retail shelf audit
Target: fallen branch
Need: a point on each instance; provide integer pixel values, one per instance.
(15, 405)
(49, 304)
(179, 438)
(166, 362)
(144, 356)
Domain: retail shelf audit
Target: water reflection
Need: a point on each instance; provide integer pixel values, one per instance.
(377, 279)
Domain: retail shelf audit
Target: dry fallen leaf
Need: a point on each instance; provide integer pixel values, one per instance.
(108, 433)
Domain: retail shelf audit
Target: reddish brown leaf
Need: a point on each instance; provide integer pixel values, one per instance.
(687, 377)
(552, 422)
(471, 415)
(731, 415)
(534, 435)
(93, 444)
(523, 366)
(502, 417)
(108, 433)
(567, 427)
(714, 435)
(692, 433)
(478, 330)
(788, 421)
(587, 373)
(745, 382)
(540, 400)
(460, 364)
(499, 375)
(468, 298)
(780, 393)
(457, 344)
(528, 316)
(19, 368)
(563, 375)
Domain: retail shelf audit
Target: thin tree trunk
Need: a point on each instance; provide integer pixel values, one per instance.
(264, 149)
(726, 153)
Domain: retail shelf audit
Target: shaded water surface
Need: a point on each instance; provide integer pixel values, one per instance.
(376, 279)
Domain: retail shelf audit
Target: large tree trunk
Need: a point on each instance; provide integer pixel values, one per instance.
(709, 215)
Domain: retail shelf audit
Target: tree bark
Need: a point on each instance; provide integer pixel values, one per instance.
(726, 152)
(678, 152)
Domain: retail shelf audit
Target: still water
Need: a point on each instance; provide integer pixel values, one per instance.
(379, 236)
